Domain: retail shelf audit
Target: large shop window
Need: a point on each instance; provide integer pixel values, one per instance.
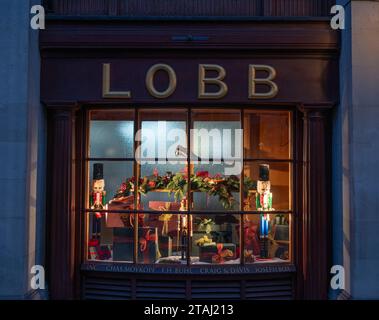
(226, 199)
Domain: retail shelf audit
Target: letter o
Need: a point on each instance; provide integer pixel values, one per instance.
(150, 81)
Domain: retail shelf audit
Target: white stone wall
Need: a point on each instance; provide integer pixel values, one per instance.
(22, 140)
(364, 148)
(356, 158)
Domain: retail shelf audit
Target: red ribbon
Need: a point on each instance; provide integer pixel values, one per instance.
(218, 257)
(119, 239)
(215, 257)
(93, 243)
(148, 237)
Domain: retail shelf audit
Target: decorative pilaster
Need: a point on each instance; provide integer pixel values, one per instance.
(316, 204)
(61, 205)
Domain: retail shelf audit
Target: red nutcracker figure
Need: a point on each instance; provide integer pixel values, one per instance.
(98, 196)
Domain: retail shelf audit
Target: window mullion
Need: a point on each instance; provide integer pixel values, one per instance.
(136, 184)
(242, 177)
(189, 197)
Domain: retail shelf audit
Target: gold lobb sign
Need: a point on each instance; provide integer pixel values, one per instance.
(203, 81)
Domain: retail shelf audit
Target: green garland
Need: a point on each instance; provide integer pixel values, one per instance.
(219, 186)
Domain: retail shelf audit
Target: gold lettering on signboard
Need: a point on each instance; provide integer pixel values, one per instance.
(150, 81)
(204, 80)
(268, 81)
(107, 93)
(218, 81)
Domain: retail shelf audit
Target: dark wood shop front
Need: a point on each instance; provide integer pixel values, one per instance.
(275, 81)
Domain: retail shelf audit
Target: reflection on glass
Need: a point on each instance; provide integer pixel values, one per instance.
(160, 140)
(161, 133)
(267, 134)
(217, 142)
(111, 134)
(215, 239)
(267, 238)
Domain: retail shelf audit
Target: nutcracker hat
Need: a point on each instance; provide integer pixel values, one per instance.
(264, 172)
(98, 171)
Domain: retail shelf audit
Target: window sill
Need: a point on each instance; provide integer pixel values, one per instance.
(254, 268)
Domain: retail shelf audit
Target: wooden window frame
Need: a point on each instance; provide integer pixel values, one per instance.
(291, 212)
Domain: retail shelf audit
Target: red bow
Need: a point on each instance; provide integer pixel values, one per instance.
(148, 237)
(222, 254)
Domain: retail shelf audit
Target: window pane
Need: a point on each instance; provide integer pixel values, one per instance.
(163, 240)
(216, 136)
(107, 177)
(216, 142)
(163, 184)
(111, 135)
(147, 245)
(217, 149)
(172, 237)
(106, 243)
(214, 191)
(267, 134)
(160, 139)
(215, 239)
(162, 133)
(162, 159)
(267, 238)
(276, 183)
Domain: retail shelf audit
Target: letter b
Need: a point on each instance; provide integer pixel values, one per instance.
(268, 82)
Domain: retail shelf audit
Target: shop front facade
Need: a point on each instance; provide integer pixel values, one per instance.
(189, 159)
